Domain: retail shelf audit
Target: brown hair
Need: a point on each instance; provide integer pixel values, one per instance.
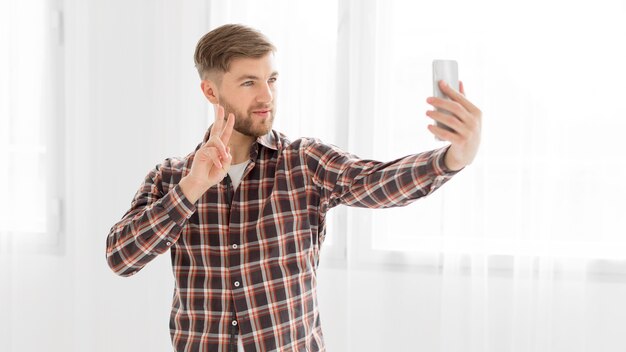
(216, 49)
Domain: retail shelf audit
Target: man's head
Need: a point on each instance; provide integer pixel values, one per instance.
(236, 65)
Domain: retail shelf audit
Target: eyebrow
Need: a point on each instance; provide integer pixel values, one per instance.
(253, 77)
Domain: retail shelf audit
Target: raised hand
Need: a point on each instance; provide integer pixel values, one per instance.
(212, 161)
(464, 118)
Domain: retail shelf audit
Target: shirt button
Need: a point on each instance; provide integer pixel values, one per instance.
(234, 322)
(234, 246)
(169, 243)
(236, 283)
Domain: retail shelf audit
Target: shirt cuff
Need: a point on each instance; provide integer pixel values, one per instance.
(179, 209)
(439, 163)
(177, 206)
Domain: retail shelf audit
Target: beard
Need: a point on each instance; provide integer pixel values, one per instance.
(247, 124)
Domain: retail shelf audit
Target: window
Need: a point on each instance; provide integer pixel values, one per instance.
(31, 95)
(549, 176)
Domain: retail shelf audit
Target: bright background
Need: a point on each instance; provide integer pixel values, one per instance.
(523, 251)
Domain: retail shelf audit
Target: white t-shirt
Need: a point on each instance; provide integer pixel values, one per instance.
(236, 173)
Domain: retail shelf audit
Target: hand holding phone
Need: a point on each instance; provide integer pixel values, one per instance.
(448, 71)
(466, 120)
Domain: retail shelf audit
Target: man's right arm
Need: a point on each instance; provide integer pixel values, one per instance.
(150, 227)
(156, 219)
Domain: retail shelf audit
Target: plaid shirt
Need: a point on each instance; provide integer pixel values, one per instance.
(247, 259)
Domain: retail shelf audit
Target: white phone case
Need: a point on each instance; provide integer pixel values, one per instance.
(447, 70)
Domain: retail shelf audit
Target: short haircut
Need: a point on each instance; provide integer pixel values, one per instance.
(216, 50)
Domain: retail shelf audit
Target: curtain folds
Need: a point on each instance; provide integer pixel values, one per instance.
(517, 251)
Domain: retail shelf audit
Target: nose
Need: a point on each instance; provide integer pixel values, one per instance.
(265, 94)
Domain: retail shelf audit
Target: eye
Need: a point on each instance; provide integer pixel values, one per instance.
(273, 79)
(247, 83)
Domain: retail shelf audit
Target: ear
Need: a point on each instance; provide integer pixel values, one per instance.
(209, 89)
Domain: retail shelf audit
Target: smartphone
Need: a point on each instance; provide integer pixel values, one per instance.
(447, 70)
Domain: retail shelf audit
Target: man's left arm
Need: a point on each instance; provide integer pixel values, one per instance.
(343, 178)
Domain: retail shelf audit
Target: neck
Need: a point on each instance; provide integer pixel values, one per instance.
(240, 147)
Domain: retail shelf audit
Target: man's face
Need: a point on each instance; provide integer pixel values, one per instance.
(248, 90)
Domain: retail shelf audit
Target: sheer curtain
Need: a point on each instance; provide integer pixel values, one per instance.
(521, 246)
(525, 236)
(30, 121)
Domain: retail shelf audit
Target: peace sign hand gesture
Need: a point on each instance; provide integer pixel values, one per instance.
(212, 161)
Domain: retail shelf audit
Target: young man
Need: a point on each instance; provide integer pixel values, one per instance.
(244, 215)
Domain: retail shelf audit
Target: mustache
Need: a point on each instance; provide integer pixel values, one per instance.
(262, 107)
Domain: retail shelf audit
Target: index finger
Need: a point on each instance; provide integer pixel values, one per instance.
(217, 127)
(457, 96)
(228, 129)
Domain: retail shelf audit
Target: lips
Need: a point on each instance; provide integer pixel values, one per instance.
(262, 113)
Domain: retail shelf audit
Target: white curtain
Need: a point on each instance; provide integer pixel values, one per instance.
(520, 249)
(30, 101)
(531, 236)
(28, 113)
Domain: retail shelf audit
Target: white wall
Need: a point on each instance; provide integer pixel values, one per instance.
(125, 113)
